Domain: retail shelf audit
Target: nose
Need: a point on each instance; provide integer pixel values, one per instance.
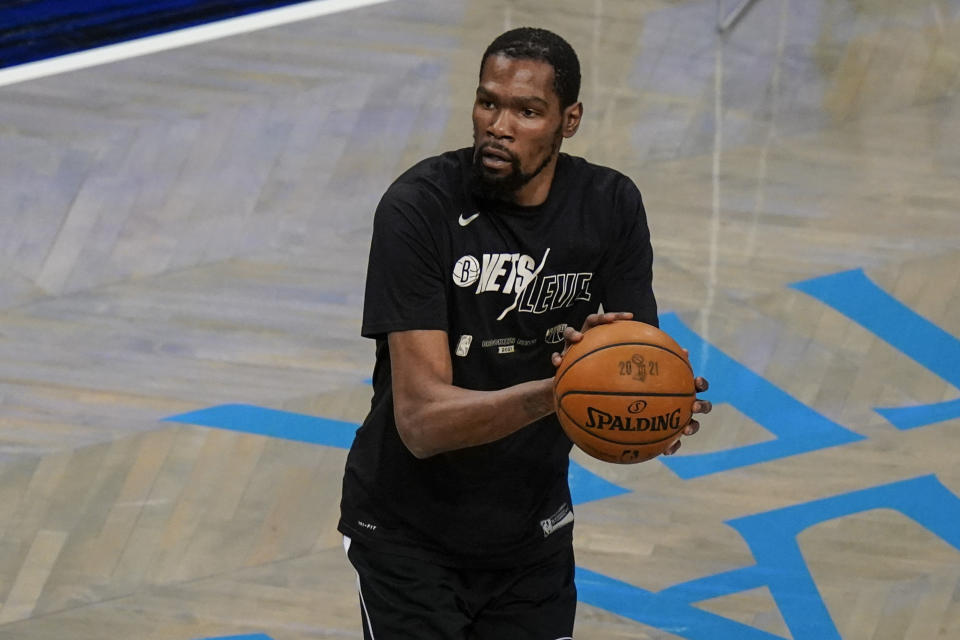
(500, 126)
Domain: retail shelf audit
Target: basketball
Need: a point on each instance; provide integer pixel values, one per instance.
(625, 392)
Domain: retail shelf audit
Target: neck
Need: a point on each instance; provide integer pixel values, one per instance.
(536, 191)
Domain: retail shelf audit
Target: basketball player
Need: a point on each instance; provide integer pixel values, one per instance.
(485, 263)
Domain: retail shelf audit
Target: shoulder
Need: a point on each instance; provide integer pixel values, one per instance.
(598, 178)
(602, 184)
(424, 198)
(437, 177)
(425, 194)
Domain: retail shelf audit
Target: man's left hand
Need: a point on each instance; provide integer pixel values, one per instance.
(699, 406)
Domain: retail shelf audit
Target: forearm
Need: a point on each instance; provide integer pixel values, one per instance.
(444, 417)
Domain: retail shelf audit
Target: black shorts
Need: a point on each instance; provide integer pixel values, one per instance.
(403, 597)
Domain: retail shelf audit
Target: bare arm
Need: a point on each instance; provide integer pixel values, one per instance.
(433, 416)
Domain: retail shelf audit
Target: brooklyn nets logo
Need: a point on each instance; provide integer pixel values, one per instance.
(518, 275)
(466, 271)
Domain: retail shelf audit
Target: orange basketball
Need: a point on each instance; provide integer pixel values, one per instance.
(625, 392)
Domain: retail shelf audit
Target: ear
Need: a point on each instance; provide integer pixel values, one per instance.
(571, 119)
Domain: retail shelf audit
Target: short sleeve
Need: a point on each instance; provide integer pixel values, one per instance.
(629, 267)
(405, 286)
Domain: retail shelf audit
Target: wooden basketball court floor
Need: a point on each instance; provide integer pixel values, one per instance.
(183, 239)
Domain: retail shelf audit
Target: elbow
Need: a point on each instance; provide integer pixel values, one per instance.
(413, 435)
(417, 448)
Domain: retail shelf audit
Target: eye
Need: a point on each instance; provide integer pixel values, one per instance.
(529, 113)
(485, 104)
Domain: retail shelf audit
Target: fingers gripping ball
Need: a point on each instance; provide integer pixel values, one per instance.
(625, 392)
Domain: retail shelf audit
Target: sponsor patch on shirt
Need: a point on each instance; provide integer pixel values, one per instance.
(555, 334)
(561, 518)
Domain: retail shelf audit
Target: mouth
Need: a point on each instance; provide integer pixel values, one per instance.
(494, 158)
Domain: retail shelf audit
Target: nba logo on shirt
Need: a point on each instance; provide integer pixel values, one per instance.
(463, 347)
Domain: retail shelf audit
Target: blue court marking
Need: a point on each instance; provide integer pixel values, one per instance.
(661, 610)
(256, 636)
(780, 566)
(854, 295)
(287, 425)
(585, 486)
(904, 418)
(797, 427)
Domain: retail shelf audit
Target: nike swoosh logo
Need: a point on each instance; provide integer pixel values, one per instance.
(465, 221)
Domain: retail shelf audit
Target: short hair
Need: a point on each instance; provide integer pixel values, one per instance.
(531, 43)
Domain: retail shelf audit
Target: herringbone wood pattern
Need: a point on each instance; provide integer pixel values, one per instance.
(190, 229)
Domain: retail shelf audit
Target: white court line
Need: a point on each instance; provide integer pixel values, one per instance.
(180, 38)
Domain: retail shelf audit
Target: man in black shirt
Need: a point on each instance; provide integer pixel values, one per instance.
(485, 263)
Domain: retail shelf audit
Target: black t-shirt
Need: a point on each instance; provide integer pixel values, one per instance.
(503, 281)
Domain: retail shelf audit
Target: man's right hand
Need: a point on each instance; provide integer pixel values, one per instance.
(571, 336)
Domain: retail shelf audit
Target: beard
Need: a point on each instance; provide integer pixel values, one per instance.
(494, 186)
